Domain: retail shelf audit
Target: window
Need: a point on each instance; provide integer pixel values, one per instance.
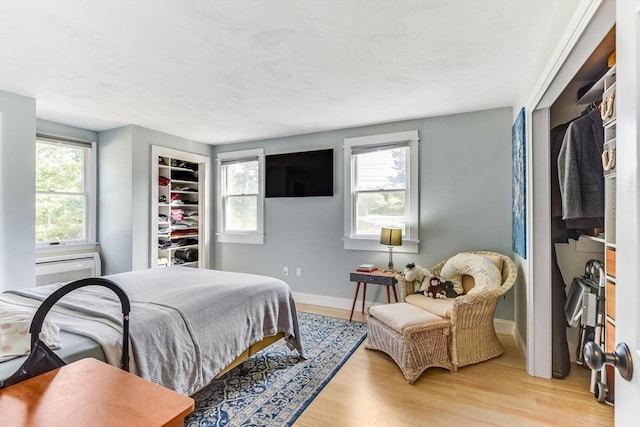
(241, 196)
(381, 180)
(65, 193)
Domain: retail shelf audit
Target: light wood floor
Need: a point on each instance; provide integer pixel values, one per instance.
(370, 390)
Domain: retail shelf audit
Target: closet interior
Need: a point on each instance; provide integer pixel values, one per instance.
(583, 188)
(178, 214)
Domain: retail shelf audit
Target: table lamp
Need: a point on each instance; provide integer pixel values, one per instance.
(391, 237)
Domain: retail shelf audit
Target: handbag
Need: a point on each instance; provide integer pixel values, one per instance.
(41, 358)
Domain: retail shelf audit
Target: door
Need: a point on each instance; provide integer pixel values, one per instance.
(627, 393)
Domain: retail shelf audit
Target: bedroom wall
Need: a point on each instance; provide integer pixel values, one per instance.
(558, 24)
(124, 187)
(465, 204)
(66, 131)
(576, 34)
(17, 189)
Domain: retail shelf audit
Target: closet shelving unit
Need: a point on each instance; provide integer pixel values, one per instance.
(604, 91)
(609, 123)
(178, 220)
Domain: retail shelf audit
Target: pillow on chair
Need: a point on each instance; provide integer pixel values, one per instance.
(485, 273)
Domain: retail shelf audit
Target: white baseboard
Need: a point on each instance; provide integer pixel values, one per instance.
(331, 302)
(520, 342)
(323, 301)
(506, 327)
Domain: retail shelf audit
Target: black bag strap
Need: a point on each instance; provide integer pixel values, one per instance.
(38, 317)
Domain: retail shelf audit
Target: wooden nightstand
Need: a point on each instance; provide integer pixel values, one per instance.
(91, 393)
(377, 277)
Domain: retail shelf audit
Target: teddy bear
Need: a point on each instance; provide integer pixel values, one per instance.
(450, 289)
(435, 289)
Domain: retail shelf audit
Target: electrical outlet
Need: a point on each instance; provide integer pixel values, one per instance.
(299, 272)
(285, 271)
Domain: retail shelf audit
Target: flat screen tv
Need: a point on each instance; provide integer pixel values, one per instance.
(302, 174)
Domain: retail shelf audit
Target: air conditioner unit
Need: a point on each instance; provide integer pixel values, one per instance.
(66, 268)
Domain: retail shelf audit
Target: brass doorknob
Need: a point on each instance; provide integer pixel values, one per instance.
(620, 358)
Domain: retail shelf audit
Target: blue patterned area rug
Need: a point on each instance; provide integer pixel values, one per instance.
(274, 386)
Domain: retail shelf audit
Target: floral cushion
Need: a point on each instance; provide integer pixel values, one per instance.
(485, 273)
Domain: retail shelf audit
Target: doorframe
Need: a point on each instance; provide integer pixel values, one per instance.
(588, 27)
(204, 180)
(627, 393)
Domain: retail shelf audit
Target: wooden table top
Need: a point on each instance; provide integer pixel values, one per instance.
(91, 393)
(379, 272)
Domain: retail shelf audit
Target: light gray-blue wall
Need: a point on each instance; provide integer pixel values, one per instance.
(17, 185)
(17, 191)
(124, 188)
(65, 131)
(465, 204)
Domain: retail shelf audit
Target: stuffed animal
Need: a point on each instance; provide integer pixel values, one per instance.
(416, 274)
(435, 289)
(450, 289)
(421, 278)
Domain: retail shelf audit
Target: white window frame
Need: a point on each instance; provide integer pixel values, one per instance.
(410, 241)
(247, 237)
(90, 190)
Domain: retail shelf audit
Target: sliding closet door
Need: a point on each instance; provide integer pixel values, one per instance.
(539, 331)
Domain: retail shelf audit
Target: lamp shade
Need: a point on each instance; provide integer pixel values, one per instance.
(391, 236)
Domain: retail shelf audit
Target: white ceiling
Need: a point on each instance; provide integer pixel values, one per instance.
(229, 71)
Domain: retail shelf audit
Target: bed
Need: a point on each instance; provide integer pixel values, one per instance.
(187, 325)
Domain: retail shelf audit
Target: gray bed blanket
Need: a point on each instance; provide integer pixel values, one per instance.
(187, 324)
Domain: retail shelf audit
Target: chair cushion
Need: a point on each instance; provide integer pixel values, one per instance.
(485, 273)
(439, 307)
(402, 315)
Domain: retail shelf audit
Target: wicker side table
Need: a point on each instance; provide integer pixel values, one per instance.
(415, 339)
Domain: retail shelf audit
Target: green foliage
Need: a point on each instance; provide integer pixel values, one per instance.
(241, 213)
(378, 209)
(60, 202)
(382, 179)
(242, 187)
(58, 168)
(399, 166)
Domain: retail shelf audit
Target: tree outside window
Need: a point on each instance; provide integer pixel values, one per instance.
(380, 190)
(61, 199)
(241, 184)
(240, 207)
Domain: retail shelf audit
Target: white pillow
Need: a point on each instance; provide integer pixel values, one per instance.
(484, 272)
(15, 339)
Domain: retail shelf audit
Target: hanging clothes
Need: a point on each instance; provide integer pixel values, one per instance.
(560, 359)
(580, 172)
(556, 139)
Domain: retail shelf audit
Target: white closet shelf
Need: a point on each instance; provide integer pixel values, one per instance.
(595, 91)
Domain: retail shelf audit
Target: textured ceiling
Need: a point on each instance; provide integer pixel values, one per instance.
(228, 71)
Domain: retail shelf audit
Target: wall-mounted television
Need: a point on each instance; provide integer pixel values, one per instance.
(302, 174)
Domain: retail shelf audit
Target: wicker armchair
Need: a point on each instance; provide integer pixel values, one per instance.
(472, 337)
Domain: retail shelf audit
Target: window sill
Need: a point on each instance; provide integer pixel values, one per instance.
(408, 246)
(245, 238)
(67, 247)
